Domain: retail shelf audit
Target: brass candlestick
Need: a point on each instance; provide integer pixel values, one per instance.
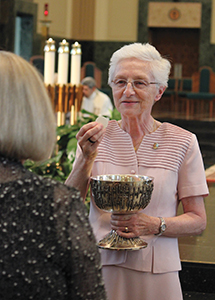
(66, 98)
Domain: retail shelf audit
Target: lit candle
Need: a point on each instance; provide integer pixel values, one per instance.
(63, 62)
(75, 64)
(49, 61)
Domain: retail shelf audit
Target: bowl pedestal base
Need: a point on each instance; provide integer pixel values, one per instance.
(113, 241)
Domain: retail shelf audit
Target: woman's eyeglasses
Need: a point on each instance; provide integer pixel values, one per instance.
(136, 84)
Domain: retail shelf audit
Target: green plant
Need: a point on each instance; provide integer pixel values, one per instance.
(60, 164)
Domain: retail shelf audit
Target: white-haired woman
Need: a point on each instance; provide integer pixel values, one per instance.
(47, 246)
(139, 144)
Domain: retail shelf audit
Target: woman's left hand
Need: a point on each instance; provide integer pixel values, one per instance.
(134, 224)
(192, 222)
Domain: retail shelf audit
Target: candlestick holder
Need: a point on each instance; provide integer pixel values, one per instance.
(65, 98)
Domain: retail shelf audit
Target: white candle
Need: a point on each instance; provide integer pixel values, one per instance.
(49, 61)
(63, 62)
(75, 75)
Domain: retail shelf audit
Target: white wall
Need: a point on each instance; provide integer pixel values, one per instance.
(60, 13)
(115, 20)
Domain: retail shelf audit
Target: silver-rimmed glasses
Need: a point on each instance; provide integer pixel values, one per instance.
(138, 84)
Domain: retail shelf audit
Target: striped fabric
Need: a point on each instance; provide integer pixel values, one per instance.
(172, 143)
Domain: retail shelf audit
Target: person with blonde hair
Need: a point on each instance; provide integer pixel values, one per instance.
(47, 245)
(140, 145)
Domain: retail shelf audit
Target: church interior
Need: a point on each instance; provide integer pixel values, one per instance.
(184, 32)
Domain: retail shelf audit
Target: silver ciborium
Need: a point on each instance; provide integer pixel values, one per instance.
(121, 194)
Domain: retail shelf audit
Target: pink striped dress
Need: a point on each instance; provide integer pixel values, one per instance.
(172, 156)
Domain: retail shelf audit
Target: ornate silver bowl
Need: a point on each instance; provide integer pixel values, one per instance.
(122, 194)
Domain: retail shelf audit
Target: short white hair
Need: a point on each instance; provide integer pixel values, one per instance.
(160, 67)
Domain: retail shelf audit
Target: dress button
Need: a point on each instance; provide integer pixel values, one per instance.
(133, 172)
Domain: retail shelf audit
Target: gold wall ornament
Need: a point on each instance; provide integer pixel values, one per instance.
(174, 14)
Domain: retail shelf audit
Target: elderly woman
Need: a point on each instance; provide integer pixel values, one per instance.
(47, 246)
(139, 144)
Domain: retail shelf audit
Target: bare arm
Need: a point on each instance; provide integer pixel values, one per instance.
(79, 177)
(191, 222)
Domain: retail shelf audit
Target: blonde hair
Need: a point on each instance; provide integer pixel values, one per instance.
(28, 129)
(160, 67)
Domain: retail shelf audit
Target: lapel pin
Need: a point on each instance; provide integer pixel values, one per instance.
(155, 146)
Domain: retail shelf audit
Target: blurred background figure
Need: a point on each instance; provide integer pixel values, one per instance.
(94, 100)
(47, 245)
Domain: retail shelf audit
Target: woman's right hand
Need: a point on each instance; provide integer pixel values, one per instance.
(80, 174)
(89, 137)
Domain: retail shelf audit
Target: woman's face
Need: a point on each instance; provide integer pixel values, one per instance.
(134, 99)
